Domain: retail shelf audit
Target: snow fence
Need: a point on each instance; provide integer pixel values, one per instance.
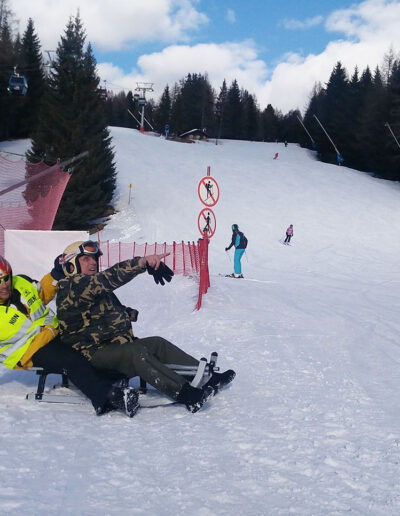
(29, 195)
(189, 259)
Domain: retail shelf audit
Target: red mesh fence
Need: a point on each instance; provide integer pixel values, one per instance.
(189, 259)
(28, 201)
(204, 277)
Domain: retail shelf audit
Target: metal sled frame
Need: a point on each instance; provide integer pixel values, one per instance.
(197, 375)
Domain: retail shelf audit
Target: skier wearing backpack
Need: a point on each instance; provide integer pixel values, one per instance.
(239, 241)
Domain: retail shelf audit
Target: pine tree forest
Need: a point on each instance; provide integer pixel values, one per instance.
(65, 111)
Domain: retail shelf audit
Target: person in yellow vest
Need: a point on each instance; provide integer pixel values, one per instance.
(29, 337)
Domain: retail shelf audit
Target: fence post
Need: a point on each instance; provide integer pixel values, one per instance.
(191, 255)
(174, 256)
(183, 258)
(134, 245)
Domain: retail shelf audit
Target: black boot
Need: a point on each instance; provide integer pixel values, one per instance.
(218, 380)
(194, 398)
(125, 399)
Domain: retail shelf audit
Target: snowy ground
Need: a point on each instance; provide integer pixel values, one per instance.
(311, 424)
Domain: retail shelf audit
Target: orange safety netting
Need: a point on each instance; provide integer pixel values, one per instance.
(26, 200)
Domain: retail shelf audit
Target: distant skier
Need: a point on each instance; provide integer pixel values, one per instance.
(239, 241)
(276, 155)
(289, 234)
(285, 143)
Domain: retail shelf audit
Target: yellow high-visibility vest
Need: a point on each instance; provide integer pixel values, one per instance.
(18, 330)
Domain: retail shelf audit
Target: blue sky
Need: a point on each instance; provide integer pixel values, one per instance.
(263, 21)
(276, 51)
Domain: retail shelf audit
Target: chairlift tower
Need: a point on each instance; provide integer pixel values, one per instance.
(142, 87)
(50, 63)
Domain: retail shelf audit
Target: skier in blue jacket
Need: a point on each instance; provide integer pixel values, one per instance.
(239, 241)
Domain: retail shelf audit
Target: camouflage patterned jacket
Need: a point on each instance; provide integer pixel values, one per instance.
(89, 313)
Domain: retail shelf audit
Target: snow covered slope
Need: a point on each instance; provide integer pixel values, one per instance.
(311, 423)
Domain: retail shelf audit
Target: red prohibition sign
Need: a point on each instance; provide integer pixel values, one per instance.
(207, 223)
(208, 191)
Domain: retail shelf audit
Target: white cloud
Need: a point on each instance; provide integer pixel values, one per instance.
(225, 61)
(371, 20)
(113, 25)
(302, 24)
(231, 16)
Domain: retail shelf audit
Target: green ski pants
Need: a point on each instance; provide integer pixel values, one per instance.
(146, 358)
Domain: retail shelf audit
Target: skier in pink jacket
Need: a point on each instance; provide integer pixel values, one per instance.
(289, 234)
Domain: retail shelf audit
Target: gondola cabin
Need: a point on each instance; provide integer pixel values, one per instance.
(17, 85)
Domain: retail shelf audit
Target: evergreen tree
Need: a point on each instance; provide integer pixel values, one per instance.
(250, 117)
(335, 113)
(131, 105)
(392, 150)
(220, 111)
(314, 108)
(291, 129)
(233, 112)
(177, 113)
(72, 121)
(32, 68)
(162, 113)
(117, 110)
(8, 106)
(269, 120)
(358, 154)
(197, 99)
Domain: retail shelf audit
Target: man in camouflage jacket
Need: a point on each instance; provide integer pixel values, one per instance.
(93, 321)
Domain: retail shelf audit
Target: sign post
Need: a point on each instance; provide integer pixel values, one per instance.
(208, 191)
(130, 190)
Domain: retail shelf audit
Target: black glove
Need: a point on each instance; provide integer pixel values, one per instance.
(162, 273)
(133, 313)
(226, 248)
(57, 272)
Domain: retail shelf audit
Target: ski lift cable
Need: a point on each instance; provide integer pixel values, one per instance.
(118, 86)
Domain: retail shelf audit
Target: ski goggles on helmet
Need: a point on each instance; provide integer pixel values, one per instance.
(4, 279)
(91, 248)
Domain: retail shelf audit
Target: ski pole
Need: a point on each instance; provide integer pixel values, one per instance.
(246, 256)
(228, 255)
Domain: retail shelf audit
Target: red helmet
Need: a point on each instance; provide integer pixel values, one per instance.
(5, 267)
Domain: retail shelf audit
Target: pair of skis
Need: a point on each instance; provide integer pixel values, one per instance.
(232, 276)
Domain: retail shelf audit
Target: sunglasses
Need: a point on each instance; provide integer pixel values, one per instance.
(4, 279)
